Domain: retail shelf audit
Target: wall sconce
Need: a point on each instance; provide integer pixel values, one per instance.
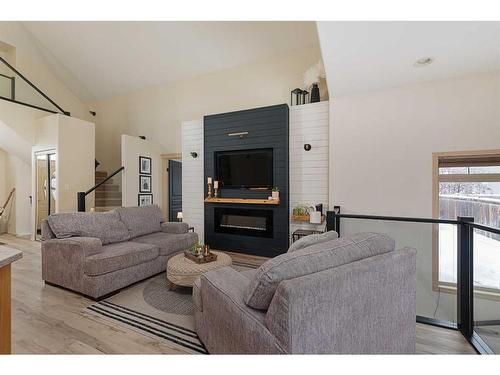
(307, 147)
(92, 113)
(142, 137)
(240, 134)
(194, 155)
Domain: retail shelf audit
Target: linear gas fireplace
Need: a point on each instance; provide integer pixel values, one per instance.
(244, 221)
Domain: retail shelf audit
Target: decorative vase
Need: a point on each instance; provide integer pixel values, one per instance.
(315, 93)
(315, 217)
(276, 195)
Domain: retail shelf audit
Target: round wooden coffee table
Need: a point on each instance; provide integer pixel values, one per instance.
(184, 272)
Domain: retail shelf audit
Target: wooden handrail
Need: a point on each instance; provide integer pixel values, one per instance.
(2, 209)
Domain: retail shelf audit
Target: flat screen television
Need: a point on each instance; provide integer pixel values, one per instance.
(244, 169)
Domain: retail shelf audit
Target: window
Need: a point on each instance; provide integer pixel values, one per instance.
(467, 185)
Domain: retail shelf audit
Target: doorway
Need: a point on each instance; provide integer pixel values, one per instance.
(45, 188)
(174, 189)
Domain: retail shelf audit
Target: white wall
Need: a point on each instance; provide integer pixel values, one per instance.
(382, 142)
(75, 161)
(18, 175)
(3, 187)
(157, 112)
(381, 159)
(193, 185)
(309, 169)
(131, 149)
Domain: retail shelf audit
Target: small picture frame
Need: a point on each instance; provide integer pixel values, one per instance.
(144, 184)
(144, 165)
(145, 200)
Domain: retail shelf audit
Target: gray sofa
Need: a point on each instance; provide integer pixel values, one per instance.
(98, 253)
(349, 295)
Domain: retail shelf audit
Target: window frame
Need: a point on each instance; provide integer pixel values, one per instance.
(443, 286)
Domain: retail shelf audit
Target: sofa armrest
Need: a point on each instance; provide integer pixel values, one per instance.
(63, 259)
(233, 326)
(174, 227)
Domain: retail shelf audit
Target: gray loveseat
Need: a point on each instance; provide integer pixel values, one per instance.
(348, 295)
(97, 253)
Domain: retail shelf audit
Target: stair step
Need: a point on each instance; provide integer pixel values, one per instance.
(104, 209)
(101, 174)
(108, 202)
(107, 187)
(108, 182)
(108, 194)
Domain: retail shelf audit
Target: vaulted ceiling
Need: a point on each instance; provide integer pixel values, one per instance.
(365, 56)
(103, 59)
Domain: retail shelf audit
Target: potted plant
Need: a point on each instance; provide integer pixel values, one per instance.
(197, 248)
(276, 193)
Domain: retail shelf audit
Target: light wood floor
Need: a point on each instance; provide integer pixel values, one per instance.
(50, 320)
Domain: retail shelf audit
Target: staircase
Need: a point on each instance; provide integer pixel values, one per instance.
(107, 196)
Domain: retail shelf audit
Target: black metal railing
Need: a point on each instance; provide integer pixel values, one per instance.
(465, 271)
(12, 97)
(81, 195)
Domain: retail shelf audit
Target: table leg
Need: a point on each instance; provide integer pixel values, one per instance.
(5, 310)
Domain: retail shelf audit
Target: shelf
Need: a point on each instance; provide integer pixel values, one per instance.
(243, 201)
(306, 218)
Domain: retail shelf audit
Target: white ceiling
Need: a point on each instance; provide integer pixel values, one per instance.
(103, 59)
(365, 56)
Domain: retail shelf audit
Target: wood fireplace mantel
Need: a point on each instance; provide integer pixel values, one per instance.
(243, 201)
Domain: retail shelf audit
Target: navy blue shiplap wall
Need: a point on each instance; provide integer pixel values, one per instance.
(267, 127)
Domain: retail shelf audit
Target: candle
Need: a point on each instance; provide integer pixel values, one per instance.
(216, 184)
(210, 180)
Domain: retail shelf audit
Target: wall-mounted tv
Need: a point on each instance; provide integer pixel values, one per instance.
(244, 169)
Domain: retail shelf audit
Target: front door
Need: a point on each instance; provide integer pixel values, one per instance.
(174, 189)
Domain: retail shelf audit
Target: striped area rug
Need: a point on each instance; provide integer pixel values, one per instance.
(155, 310)
(180, 336)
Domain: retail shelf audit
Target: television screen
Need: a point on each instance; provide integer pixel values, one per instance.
(245, 169)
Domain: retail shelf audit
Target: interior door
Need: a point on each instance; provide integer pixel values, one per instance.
(174, 189)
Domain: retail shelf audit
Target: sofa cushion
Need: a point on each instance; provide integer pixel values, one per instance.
(169, 243)
(141, 220)
(249, 273)
(119, 256)
(103, 225)
(310, 260)
(197, 301)
(312, 240)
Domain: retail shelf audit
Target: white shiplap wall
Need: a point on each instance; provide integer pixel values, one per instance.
(309, 169)
(192, 176)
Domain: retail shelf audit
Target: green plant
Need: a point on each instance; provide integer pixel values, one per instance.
(197, 245)
(276, 188)
(300, 210)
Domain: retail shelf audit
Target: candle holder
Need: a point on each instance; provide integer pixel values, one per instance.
(210, 190)
(207, 251)
(216, 192)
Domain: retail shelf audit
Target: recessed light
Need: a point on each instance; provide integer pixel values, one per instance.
(423, 62)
